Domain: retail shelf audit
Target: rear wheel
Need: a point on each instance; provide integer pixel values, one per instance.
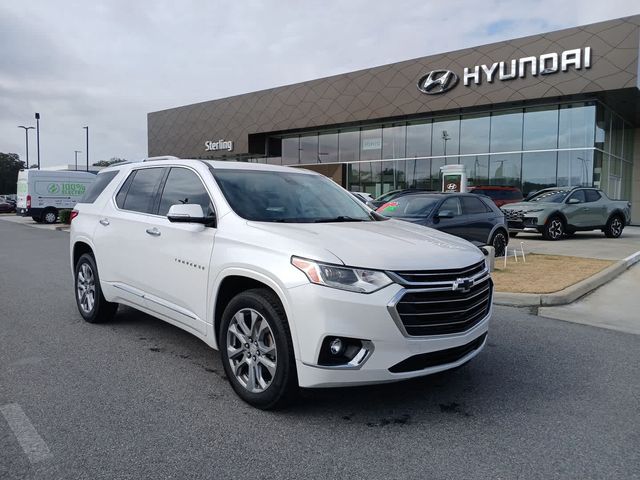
(50, 216)
(92, 305)
(614, 227)
(499, 243)
(256, 349)
(553, 229)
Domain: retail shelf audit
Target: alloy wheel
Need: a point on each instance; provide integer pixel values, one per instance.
(555, 228)
(50, 217)
(616, 227)
(251, 350)
(499, 244)
(86, 288)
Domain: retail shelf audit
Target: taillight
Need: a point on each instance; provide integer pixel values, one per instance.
(74, 214)
(28, 201)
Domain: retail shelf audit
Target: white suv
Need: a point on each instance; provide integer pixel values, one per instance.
(294, 280)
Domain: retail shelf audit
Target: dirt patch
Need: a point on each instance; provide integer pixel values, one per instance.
(544, 273)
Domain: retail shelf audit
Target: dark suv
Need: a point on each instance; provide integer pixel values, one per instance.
(472, 217)
(501, 195)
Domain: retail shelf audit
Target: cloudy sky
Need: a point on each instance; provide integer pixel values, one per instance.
(107, 64)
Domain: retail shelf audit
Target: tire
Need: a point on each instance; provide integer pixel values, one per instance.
(266, 386)
(499, 242)
(553, 229)
(92, 306)
(513, 234)
(49, 216)
(614, 226)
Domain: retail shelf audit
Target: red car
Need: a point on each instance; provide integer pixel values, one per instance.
(501, 195)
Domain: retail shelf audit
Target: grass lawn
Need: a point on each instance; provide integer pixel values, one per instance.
(543, 273)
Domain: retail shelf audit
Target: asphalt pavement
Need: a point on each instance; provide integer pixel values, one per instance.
(138, 398)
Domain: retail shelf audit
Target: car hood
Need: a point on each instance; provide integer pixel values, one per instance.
(383, 245)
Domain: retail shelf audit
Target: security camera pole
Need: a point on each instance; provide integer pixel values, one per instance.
(38, 136)
(87, 130)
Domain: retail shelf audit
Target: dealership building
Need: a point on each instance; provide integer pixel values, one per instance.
(556, 109)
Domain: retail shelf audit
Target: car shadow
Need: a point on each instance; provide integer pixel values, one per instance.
(486, 385)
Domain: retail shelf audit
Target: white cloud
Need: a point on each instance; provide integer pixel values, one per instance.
(107, 64)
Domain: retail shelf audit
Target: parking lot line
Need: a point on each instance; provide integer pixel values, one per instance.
(33, 445)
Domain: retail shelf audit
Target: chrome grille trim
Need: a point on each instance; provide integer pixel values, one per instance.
(410, 306)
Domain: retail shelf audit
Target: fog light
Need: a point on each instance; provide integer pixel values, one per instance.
(336, 346)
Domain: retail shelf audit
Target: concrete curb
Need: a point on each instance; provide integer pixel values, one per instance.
(63, 228)
(569, 294)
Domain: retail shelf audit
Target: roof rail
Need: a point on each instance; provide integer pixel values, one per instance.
(163, 157)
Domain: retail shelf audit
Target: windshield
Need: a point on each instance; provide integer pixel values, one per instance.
(289, 197)
(555, 196)
(386, 196)
(409, 206)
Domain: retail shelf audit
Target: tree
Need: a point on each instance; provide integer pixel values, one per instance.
(106, 163)
(10, 165)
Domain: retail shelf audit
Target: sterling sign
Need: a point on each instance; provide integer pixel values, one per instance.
(222, 144)
(440, 81)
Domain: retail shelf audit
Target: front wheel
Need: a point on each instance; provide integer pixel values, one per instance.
(92, 305)
(614, 227)
(553, 229)
(499, 243)
(257, 351)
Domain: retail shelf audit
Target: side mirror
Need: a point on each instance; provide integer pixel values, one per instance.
(189, 213)
(573, 201)
(445, 214)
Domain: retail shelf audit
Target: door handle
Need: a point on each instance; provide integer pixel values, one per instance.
(104, 221)
(153, 232)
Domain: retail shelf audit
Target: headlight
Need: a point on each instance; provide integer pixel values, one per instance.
(344, 278)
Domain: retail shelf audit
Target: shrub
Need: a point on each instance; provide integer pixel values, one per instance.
(64, 216)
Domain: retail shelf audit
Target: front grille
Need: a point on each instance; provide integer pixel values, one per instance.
(512, 214)
(434, 359)
(430, 276)
(442, 310)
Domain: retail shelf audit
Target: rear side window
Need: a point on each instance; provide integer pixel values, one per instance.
(472, 206)
(98, 186)
(138, 192)
(592, 195)
(184, 186)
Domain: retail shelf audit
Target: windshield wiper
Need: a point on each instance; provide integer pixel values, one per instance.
(339, 218)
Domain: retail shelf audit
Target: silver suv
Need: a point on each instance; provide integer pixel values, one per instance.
(296, 282)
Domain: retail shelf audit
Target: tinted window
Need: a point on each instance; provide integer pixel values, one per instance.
(143, 187)
(591, 195)
(122, 193)
(555, 196)
(184, 186)
(472, 206)
(452, 205)
(96, 188)
(579, 195)
(409, 206)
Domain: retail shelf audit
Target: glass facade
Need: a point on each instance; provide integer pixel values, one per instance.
(568, 144)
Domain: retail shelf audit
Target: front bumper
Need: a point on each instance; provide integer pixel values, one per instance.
(525, 224)
(322, 311)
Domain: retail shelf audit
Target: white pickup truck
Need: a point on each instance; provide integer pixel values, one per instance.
(295, 281)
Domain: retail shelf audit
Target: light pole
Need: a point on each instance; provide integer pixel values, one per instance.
(87, 130)
(38, 137)
(77, 152)
(445, 139)
(26, 135)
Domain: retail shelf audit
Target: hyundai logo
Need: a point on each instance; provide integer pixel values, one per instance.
(437, 81)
